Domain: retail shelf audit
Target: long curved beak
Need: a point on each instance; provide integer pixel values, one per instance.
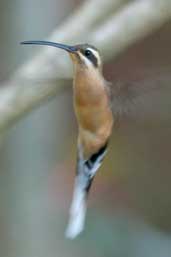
(68, 48)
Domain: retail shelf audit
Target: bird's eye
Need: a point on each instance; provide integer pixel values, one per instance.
(87, 53)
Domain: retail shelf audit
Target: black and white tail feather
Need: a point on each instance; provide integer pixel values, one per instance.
(86, 170)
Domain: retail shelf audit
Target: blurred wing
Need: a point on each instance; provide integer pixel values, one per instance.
(144, 99)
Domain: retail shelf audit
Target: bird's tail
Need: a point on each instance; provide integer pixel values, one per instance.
(78, 206)
(86, 171)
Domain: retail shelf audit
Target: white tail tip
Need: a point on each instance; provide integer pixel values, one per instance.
(76, 222)
(77, 213)
(75, 227)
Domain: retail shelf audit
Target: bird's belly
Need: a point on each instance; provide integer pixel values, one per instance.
(90, 117)
(95, 126)
(93, 113)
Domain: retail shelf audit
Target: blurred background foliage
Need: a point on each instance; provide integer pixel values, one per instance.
(130, 203)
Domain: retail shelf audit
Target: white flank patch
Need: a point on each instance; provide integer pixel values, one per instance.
(97, 164)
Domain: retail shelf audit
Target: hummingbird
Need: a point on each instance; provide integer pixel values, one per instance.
(92, 106)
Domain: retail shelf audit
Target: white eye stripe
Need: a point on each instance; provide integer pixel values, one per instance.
(86, 60)
(96, 54)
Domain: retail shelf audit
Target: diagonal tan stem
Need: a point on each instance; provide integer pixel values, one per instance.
(44, 75)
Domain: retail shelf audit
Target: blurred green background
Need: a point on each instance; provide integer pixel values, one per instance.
(129, 211)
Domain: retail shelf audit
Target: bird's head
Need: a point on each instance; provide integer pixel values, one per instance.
(83, 55)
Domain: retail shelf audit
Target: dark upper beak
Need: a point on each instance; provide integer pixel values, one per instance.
(68, 48)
